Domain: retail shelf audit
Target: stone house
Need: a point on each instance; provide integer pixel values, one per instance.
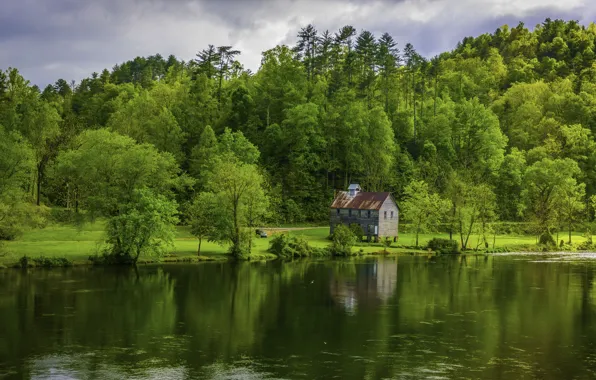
(376, 213)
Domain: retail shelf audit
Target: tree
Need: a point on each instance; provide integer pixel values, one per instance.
(147, 121)
(207, 61)
(378, 150)
(237, 188)
(509, 183)
(342, 241)
(201, 215)
(306, 48)
(143, 225)
(422, 208)
(569, 203)
(477, 139)
(202, 155)
(226, 56)
(128, 183)
(544, 181)
(474, 208)
(17, 165)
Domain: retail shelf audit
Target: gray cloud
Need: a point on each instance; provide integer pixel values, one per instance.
(70, 39)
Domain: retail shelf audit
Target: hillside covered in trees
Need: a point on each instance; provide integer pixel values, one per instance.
(500, 128)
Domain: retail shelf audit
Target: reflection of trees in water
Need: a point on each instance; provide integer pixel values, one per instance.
(82, 309)
(224, 308)
(497, 315)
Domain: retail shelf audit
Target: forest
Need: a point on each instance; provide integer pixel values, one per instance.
(498, 131)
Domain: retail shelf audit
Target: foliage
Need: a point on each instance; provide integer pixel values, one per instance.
(443, 246)
(357, 231)
(44, 262)
(500, 128)
(17, 165)
(107, 169)
(545, 182)
(342, 241)
(144, 225)
(201, 215)
(292, 246)
(239, 198)
(422, 208)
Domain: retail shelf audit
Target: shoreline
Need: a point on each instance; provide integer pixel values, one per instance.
(221, 258)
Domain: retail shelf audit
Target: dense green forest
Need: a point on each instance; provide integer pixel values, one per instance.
(500, 128)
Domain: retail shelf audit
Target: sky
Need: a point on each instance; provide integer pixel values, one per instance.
(69, 39)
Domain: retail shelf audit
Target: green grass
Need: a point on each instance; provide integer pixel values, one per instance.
(78, 244)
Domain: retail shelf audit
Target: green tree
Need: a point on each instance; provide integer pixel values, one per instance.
(143, 225)
(422, 208)
(543, 182)
(569, 203)
(342, 241)
(202, 155)
(17, 165)
(201, 215)
(146, 121)
(128, 183)
(238, 190)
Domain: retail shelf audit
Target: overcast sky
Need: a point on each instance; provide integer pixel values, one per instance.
(70, 39)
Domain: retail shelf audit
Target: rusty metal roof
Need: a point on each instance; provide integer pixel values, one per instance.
(361, 201)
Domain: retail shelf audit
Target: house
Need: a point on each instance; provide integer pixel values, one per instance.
(376, 213)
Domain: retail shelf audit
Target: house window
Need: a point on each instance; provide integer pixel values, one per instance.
(385, 214)
(338, 211)
(369, 213)
(360, 213)
(391, 214)
(350, 212)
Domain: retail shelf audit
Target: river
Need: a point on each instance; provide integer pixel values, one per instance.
(495, 317)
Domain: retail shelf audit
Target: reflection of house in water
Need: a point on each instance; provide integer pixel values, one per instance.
(367, 284)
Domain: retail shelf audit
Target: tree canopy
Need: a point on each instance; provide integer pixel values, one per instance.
(510, 112)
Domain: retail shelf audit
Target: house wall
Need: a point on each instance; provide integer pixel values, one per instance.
(388, 225)
(358, 218)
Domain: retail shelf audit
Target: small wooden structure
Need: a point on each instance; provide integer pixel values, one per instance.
(376, 213)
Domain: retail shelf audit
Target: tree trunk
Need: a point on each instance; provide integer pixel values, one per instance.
(417, 230)
(38, 185)
(236, 240)
(435, 102)
(569, 233)
(414, 101)
(199, 249)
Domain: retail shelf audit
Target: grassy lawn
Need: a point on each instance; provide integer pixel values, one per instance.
(77, 244)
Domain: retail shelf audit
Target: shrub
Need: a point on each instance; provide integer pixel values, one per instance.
(107, 258)
(547, 239)
(343, 240)
(286, 246)
(443, 246)
(357, 231)
(62, 215)
(45, 262)
(10, 232)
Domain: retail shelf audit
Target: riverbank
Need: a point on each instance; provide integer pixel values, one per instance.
(77, 244)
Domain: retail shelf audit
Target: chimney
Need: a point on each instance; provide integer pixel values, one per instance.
(353, 189)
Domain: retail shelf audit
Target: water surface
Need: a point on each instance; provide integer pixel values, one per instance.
(502, 317)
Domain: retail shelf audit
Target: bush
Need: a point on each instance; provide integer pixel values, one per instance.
(357, 231)
(64, 215)
(547, 240)
(286, 246)
(443, 246)
(343, 240)
(45, 262)
(10, 232)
